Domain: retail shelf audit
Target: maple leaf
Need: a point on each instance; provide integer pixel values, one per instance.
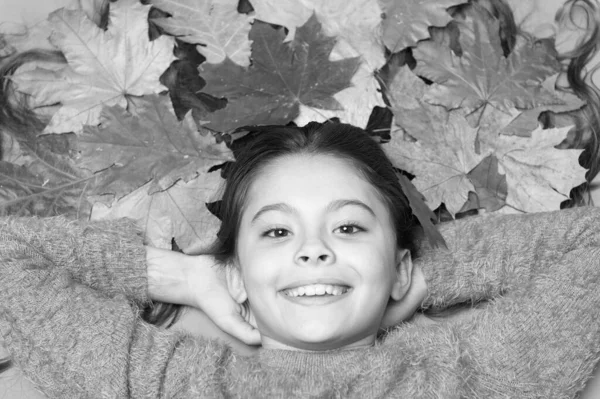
(441, 160)
(215, 25)
(405, 92)
(185, 85)
(539, 176)
(150, 145)
(281, 77)
(490, 186)
(408, 21)
(104, 67)
(179, 212)
(482, 75)
(528, 120)
(357, 36)
(41, 182)
(536, 17)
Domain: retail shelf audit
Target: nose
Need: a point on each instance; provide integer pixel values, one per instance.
(315, 251)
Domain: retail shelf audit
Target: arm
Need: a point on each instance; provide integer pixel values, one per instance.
(73, 341)
(540, 340)
(107, 256)
(488, 256)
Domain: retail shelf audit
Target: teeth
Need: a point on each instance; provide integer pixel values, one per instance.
(317, 290)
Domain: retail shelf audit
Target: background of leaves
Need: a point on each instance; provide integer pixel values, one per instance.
(140, 112)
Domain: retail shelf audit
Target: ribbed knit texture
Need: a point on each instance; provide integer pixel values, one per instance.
(539, 338)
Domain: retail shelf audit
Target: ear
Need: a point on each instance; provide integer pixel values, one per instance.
(404, 269)
(235, 284)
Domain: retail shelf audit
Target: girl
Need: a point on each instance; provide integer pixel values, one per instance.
(315, 237)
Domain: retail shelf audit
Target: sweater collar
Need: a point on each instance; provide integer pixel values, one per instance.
(295, 361)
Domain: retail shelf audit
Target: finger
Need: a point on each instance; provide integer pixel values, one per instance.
(236, 326)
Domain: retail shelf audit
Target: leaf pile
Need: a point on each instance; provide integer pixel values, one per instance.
(146, 94)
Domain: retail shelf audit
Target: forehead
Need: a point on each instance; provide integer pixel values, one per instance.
(305, 178)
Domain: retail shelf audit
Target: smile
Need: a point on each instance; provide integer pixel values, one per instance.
(317, 290)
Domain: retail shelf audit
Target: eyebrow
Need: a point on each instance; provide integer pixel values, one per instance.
(331, 207)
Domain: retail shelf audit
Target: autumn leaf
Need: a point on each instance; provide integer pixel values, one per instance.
(539, 176)
(405, 92)
(482, 76)
(528, 120)
(41, 182)
(185, 85)
(536, 16)
(490, 186)
(215, 25)
(281, 77)
(148, 145)
(441, 160)
(104, 67)
(179, 212)
(408, 21)
(357, 36)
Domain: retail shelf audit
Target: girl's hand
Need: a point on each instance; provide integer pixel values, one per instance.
(208, 286)
(199, 282)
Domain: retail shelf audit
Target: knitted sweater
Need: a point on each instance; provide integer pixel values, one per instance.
(69, 293)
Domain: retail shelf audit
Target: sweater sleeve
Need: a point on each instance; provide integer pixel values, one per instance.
(74, 341)
(488, 256)
(105, 255)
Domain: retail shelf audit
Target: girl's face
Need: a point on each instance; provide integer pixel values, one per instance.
(317, 253)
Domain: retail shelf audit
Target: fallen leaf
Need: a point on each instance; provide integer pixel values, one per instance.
(354, 24)
(482, 76)
(408, 21)
(281, 77)
(441, 160)
(536, 16)
(527, 120)
(539, 176)
(215, 25)
(179, 212)
(104, 67)
(490, 186)
(150, 145)
(405, 92)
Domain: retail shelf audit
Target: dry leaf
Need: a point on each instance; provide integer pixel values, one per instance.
(527, 121)
(215, 25)
(539, 176)
(408, 21)
(482, 76)
(440, 159)
(354, 24)
(536, 16)
(281, 77)
(150, 145)
(490, 186)
(104, 67)
(179, 212)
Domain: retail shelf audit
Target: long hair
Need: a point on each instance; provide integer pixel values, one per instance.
(586, 134)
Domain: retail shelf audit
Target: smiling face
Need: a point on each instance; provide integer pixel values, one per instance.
(317, 253)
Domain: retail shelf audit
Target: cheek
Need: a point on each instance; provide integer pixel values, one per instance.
(260, 272)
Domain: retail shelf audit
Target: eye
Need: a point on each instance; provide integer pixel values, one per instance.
(349, 229)
(276, 233)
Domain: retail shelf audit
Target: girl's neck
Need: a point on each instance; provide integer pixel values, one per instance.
(270, 343)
